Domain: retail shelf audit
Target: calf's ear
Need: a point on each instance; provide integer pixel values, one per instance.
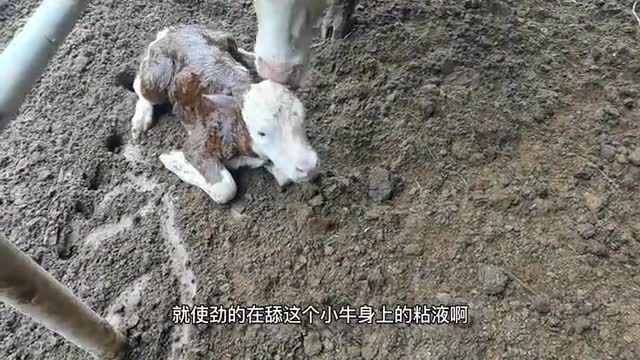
(222, 102)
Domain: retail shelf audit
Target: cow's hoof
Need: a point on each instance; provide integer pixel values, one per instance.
(338, 22)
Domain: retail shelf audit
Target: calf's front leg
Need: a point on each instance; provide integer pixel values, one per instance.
(143, 117)
(153, 77)
(242, 161)
(211, 177)
(248, 59)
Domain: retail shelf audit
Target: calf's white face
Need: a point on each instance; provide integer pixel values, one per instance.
(275, 118)
(283, 40)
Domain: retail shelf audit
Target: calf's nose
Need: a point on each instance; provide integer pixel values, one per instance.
(308, 168)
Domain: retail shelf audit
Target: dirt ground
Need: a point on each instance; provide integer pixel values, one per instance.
(480, 153)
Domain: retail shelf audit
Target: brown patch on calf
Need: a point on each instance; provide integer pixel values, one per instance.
(188, 101)
(225, 131)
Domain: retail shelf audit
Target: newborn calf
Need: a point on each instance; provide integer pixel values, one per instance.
(230, 121)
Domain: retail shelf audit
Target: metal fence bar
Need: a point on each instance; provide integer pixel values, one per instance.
(25, 285)
(34, 292)
(25, 58)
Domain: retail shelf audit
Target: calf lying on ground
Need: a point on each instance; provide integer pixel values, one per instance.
(230, 121)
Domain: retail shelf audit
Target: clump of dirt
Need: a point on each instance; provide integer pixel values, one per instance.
(477, 153)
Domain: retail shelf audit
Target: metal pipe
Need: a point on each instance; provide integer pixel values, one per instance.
(34, 292)
(25, 58)
(24, 285)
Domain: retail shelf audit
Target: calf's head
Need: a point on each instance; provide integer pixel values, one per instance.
(275, 120)
(283, 40)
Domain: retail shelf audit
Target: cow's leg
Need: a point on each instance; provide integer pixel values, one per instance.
(338, 21)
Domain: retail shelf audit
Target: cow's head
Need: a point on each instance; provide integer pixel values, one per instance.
(283, 41)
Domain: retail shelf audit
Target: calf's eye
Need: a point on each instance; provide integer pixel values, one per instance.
(261, 133)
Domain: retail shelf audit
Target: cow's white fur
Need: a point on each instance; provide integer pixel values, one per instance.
(285, 30)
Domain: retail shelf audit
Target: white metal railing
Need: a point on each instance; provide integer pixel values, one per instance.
(26, 57)
(25, 285)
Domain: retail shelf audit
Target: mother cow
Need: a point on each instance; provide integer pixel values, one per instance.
(285, 31)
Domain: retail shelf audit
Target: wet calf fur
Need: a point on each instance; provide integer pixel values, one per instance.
(230, 121)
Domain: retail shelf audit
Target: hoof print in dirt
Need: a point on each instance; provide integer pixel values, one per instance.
(114, 143)
(381, 185)
(64, 247)
(64, 253)
(494, 279)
